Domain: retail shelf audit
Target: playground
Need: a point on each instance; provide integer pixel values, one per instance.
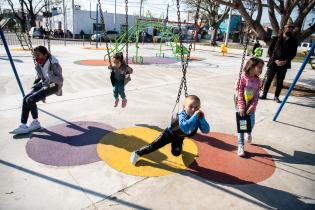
(80, 158)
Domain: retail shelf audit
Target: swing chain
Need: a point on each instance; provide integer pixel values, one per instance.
(184, 64)
(127, 35)
(105, 33)
(48, 25)
(30, 45)
(246, 44)
(183, 80)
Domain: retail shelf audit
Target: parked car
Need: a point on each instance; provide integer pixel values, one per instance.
(147, 38)
(38, 34)
(111, 35)
(304, 47)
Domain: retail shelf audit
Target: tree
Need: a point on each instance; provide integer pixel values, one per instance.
(214, 14)
(31, 7)
(282, 8)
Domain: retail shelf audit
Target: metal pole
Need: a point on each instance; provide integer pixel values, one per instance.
(294, 82)
(64, 21)
(228, 27)
(115, 17)
(96, 26)
(11, 61)
(73, 32)
(138, 31)
(140, 8)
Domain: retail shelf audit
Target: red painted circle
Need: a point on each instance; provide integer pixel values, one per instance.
(218, 161)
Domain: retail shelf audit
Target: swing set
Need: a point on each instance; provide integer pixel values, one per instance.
(184, 59)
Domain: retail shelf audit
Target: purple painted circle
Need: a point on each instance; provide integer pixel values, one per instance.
(67, 144)
(154, 60)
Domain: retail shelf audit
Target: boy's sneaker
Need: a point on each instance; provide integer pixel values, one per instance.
(22, 129)
(240, 151)
(124, 103)
(34, 125)
(249, 138)
(116, 102)
(134, 158)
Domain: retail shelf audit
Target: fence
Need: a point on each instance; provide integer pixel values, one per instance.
(13, 40)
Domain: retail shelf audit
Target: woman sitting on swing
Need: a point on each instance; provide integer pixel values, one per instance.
(49, 81)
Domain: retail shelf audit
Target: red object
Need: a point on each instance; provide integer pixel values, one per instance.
(218, 161)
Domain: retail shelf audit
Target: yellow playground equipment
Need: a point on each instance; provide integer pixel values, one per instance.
(224, 49)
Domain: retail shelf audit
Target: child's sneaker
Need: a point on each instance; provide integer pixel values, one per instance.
(240, 151)
(116, 102)
(34, 125)
(124, 103)
(22, 129)
(134, 158)
(249, 138)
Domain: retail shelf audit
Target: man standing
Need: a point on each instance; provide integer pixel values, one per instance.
(280, 59)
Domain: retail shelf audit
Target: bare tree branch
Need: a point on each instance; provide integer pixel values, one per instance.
(13, 10)
(259, 12)
(303, 13)
(38, 3)
(304, 34)
(223, 16)
(275, 7)
(40, 9)
(272, 16)
(227, 3)
(27, 7)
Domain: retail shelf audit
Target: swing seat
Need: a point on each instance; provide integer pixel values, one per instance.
(243, 123)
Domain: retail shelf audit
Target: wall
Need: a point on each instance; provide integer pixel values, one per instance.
(82, 21)
(235, 19)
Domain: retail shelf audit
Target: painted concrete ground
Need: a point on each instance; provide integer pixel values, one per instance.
(79, 160)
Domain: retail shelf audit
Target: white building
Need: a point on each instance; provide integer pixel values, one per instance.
(77, 20)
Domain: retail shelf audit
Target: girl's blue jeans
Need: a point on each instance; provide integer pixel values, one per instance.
(119, 89)
(241, 135)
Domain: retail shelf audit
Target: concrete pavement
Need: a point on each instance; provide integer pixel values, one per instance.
(27, 184)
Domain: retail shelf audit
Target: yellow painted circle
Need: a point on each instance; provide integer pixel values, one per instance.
(115, 149)
(20, 49)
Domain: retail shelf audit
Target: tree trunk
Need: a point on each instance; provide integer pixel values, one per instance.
(214, 34)
(33, 21)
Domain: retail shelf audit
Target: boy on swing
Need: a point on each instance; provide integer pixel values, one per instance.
(185, 125)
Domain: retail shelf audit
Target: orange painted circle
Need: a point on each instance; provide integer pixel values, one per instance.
(218, 160)
(93, 62)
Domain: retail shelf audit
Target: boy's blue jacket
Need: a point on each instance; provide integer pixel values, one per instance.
(190, 124)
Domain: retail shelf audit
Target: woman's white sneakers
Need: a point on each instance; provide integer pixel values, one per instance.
(134, 158)
(34, 125)
(24, 129)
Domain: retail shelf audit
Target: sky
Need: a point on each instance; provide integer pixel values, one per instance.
(156, 7)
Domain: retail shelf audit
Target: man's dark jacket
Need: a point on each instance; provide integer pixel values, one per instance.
(285, 51)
